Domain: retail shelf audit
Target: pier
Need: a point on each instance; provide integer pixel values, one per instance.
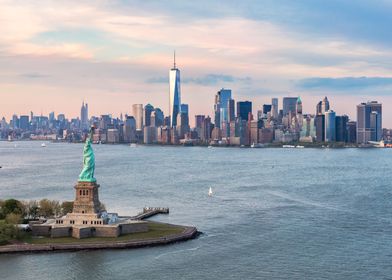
(147, 213)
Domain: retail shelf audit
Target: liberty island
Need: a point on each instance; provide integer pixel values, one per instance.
(89, 219)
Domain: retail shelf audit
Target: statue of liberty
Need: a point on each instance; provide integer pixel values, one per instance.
(87, 174)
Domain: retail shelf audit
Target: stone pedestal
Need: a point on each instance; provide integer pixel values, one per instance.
(86, 208)
(86, 199)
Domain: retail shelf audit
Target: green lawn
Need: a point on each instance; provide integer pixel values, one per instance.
(155, 230)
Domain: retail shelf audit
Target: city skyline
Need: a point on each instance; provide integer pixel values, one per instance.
(115, 54)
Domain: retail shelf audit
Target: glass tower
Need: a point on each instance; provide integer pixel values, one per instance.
(174, 93)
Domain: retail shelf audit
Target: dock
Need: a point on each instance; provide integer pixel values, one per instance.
(147, 213)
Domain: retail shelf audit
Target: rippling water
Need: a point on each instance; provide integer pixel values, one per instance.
(276, 213)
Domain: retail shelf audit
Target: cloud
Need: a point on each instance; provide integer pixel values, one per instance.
(34, 75)
(206, 80)
(345, 83)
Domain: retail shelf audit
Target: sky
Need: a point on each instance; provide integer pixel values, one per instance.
(111, 54)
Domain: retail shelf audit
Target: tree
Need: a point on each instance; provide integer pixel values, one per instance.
(7, 232)
(31, 209)
(66, 207)
(13, 219)
(12, 206)
(2, 215)
(49, 208)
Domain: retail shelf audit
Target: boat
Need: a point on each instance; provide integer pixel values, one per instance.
(9, 138)
(43, 145)
(288, 146)
(257, 145)
(300, 147)
(210, 192)
(133, 145)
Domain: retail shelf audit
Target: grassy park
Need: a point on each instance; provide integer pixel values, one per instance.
(156, 230)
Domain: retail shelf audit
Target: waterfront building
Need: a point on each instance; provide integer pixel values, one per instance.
(243, 109)
(330, 126)
(341, 128)
(369, 122)
(113, 135)
(266, 135)
(206, 129)
(148, 109)
(254, 131)
(174, 93)
(352, 132)
(182, 124)
(289, 105)
(319, 123)
(199, 121)
(150, 134)
(129, 129)
(137, 110)
(24, 123)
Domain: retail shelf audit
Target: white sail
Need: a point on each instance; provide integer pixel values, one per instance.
(210, 192)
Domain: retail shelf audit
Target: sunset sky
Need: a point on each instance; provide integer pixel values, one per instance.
(112, 54)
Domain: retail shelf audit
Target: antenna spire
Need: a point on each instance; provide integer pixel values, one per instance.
(174, 59)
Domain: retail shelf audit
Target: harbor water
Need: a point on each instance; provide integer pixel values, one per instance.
(273, 214)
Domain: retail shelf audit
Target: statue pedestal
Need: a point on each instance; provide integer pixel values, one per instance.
(86, 199)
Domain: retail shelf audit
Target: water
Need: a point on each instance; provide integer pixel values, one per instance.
(275, 213)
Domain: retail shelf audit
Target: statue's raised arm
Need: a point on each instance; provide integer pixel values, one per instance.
(87, 174)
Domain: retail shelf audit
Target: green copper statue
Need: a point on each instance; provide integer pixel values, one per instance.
(87, 174)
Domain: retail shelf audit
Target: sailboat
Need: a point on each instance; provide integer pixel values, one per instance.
(210, 192)
(43, 145)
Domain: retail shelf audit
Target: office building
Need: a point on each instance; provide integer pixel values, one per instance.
(148, 109)
(289, 105)
(330, 126)
(137, 111)
(174, 93)
(243, 110)
(369, 122)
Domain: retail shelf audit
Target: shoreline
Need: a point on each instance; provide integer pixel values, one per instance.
(188, 233)
(337, 145)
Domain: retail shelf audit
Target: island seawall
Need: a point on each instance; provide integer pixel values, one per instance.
(186, 234)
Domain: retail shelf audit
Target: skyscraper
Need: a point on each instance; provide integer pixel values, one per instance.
(274, 108)
(221, 107)
(174, 93)
(84, 116)
(299, 106)
(330, 126)
(324, 105)
(158, 117)
(231, 109)
(369, 122)
(267, 108)
(137, 110)
(243, 109)
(341, 128)
(148, 109)
(289, 105)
